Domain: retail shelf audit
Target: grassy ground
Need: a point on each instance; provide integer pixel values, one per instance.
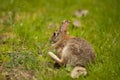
(26, 26)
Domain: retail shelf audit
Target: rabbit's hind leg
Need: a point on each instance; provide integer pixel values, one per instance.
(78, 71)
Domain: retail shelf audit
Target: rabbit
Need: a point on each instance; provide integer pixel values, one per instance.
(71, 51)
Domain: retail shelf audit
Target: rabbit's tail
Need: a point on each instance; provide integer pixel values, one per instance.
(78, 71)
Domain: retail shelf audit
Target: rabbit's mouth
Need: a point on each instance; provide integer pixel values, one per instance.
(52, 42)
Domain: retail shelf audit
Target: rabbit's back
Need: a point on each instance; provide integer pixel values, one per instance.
(77, 52)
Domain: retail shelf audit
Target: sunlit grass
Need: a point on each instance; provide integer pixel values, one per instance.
(31, 23)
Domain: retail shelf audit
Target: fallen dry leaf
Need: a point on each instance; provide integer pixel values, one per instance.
(77, 23)
(79, 13)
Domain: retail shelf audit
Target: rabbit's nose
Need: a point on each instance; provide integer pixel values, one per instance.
(51, 40)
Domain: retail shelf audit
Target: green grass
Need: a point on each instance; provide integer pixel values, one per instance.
(25, 33)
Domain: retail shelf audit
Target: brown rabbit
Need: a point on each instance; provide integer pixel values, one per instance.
(71, 51)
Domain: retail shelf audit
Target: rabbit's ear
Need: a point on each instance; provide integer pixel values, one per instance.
(64, 26)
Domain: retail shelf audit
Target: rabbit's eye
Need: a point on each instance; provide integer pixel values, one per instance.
(54, 34)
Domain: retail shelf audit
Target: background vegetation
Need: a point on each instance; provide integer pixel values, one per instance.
(26, 26)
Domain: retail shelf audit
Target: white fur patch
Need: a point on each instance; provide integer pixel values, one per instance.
(65, 51)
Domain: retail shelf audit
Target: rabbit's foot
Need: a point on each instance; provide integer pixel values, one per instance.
(54, 57)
